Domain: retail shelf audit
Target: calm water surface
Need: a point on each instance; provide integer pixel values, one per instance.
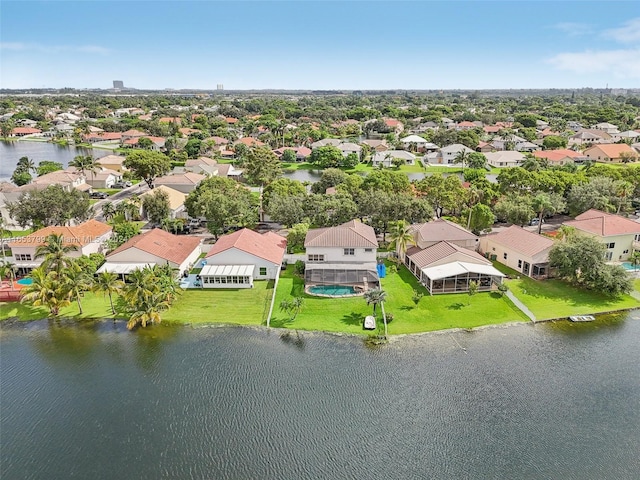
(95, 401)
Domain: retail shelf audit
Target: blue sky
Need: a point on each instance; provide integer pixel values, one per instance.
(320, 45)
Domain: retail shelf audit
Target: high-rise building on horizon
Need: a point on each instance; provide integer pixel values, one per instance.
(220, 86)
(118, 84)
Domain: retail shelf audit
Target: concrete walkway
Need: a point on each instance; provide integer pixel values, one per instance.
(521, 306)
(635, 294)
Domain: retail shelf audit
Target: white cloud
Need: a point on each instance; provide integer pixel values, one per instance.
(573, 29)
(623, 63)
(628, 33)
(37, 47)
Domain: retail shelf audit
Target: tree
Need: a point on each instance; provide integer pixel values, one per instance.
(401, 238)
(261, 166)
(377, 296)
(515, 209)
(288, 156)
(284, 187)
(477, 161)
(292, 307)
(108, 211)
(150, 291)
(331, 177)
(296, 236)
(156, 206)
(8, 270)
(547, 204)
(56, 253)
(22, 174)
(76, 282)
(551, 142)
(193, 147)
(473, 289)
(287, 210)
(600, 193)
(85, 163)
(45, 290)
(480, 218)
(47, 166)
(326, 157)
(51, 206)
(462, 157)
(147, 165)
(386, 181)
(122, 231)
(635, 259)
(21, 178)
(6, 128)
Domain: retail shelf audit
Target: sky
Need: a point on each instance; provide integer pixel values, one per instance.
(361, 45)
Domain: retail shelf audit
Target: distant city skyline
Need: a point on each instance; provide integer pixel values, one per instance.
(320, 45)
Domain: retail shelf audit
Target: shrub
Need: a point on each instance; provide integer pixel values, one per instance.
(299, 267)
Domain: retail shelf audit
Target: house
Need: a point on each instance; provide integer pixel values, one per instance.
(95, 137)
(24, 131)
(449, 153)
(620, 235)
(519, 249)
(326, 141)
(396, 126)
(176, 201)
(519, 144)
(465, 125)
(66, 179)
(445, 267)
(88, 237)
(157, 143)
(249, 142)
(100, 178)
(605, 127)
(386, 158)
(347, 148)
(132, 134)
(429, 233)
(611, 153)
(589, 136)
(302, 153)
(182, 182)
(342, 255)
(505, 158)
(376, 145)
(202, 165)
(561, 156)
(415, 143)
(112, 162)
(155, 247)
(627, 136)
(237, 259)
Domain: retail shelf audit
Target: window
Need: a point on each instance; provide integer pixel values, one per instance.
(637, 238)
(23, 256)
(611, 245)
(263, 271)
(504, 255)
(368, 250)
(625, 251)
(519, 263)
(349, 251)
(315, 258)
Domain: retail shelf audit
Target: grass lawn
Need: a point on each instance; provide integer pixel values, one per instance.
(243, 306)
(108, 191)
(549, 299)
(432, 313)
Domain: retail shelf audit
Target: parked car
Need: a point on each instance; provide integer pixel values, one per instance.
(122, 185)
(535, 221)
(100, 195)
(194, 223)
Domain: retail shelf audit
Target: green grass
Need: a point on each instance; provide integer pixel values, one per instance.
(432, 312)
(243, 306)
(549, 299)
(17, 233)
(108, 191)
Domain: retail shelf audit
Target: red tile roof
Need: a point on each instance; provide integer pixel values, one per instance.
(268, 246)
(521, 240)
(157, 242)
(613, 150)
(350, 234)
(231, 120)
(25, 130)
(175, 120)
(250, 142)
(79, 235)
(604, 224)
(442, 229)
(556, 155)
(439, 251)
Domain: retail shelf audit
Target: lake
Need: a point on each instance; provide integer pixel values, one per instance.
(92, 400)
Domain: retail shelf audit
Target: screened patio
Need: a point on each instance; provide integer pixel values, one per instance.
(455, 277)
(364, 274)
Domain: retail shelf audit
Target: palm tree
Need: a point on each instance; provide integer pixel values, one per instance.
(108, 211)
(46, 290)
(6, 128)
(85, 163)
(623, 191)
(8, 270)
(149, 292)
(401, 238)
(377, 296)
(55, 253)
(474, 196)
(108, 283)
(76, 282)
(635, 259)
(462, 157)
(4, 233)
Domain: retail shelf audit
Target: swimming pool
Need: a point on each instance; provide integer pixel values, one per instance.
(25, 281)
(332, 290)
(630, 266)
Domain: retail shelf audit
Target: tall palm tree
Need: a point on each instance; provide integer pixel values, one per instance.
(6, 128)
(149, 292)
(45, 290)
(85, 163)
(401, 238)
(76, 281)
(108, 283)
(623, 191)
(55, 253)
(474, 196)
(4, 233)
(377, 296)
(108, 211)
(8, 270)
(462, 157)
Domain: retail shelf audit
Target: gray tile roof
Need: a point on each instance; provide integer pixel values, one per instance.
(351, 234)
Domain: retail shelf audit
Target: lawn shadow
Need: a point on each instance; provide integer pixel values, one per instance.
(455, 306)
(353, 318)
(280, 322)
(407, 308)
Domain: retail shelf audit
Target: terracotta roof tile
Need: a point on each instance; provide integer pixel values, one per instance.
(350, 234)
(439, 251)
(78, 235)
(157, 242)
(441, 229)
(604, 224)
(521, 240)
(268, 246)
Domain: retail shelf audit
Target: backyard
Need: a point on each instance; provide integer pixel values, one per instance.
(432, 312)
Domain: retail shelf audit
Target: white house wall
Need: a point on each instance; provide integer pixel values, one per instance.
(234, 256)
(336, 255)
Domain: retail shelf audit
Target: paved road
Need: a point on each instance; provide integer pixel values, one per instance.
(119, 197)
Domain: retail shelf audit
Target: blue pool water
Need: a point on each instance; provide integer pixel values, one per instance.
(630, 266)
(333, 290)
(25, 281)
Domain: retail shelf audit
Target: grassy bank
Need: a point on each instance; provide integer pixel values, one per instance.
(549, 299)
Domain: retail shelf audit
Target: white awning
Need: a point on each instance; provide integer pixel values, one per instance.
(460, 268)
(121, 268)
(227, 270)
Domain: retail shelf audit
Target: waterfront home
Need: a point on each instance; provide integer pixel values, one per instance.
(237, 259)
(89, 237)
(342, 255)
(505, 158)
(620, 235)
(100, 178)
(519, 249)
(183, 182)
(157, 143)
(24, 131)
(560, 157)
(429, 233)
(155, 247)
(445, 267)
(68, 180)
(448, 154)
(386, 158)
(132, 134)
(589, 136)
(176, 201)
(302, 153)
(611, 153)
(112, 162)
(416, 143)
(376, 145)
